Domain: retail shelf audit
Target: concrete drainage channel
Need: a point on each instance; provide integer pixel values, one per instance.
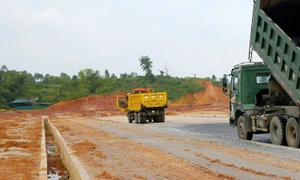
(55, 167)
(61, 164)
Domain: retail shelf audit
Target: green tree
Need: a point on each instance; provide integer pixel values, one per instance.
(125, 75)
(38, 77)
(106, 74)
(90, 78)
(4, 68)
(74, 77)
(113, 76)
(55, 80)
(46, 79)
(161, 72)
(213, 78)
(2, 74)
(146, 65)
(65, 77)
(133, 74)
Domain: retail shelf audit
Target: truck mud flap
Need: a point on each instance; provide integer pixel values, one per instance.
(248, 123)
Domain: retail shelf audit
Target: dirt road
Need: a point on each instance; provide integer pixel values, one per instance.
(111, 148)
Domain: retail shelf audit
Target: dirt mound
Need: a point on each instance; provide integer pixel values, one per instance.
(211, 99)
(211, 95)
(89, 103)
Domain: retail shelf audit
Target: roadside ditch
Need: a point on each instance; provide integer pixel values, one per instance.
(56, 170)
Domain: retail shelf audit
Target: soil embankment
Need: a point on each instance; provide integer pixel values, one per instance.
(210, 101)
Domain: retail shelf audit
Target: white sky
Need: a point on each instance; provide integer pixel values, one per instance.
(192, 37)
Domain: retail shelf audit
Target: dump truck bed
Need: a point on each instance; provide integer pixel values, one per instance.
(275, 38)
(147, 100)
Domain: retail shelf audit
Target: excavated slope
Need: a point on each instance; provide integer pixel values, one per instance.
(211, 95)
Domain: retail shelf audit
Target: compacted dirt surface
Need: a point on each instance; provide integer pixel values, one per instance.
(20, 137)
(195, 142)
(108, 155)
(111, 148)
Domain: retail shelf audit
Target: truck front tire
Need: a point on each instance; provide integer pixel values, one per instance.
(241, 129)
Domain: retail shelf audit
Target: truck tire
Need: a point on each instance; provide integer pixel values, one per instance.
(277, 131)
(129, 118)
(163, 118)
(292, 133)
(137, 118)
(143, 119)
(160, 118)
(155, 118)
(242, 133)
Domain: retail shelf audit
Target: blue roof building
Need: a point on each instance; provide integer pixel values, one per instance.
(29, 104)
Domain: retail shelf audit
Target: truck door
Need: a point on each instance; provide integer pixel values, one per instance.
(234, 85)
(122, 101)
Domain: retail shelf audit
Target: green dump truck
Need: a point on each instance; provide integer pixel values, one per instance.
(265, 96)
(143, 104)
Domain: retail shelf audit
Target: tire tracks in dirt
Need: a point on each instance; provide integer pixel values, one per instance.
(268, 160)
(127, 159)
(139, 148)
(245, 154)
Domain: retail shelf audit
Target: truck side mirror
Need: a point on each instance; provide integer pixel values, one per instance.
(224, 82)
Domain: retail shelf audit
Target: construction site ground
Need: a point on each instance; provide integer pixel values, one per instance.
(112, 148)
(195, 142)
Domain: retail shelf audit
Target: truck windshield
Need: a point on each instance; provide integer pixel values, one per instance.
(262, 78)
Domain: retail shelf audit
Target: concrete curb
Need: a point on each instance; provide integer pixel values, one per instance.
(73, 165)
(43, 164)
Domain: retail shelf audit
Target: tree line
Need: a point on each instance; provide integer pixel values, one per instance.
(51, 89)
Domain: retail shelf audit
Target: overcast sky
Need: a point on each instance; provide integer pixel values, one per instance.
(192, 37)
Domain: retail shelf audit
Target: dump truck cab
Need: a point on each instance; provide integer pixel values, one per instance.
(258, 104)
(248, 83)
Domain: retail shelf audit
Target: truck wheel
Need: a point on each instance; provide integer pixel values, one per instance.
(143, 119)
(277, 131)
(163, 117)
(242, 133)
(292, 133)
(155, 118)
(129, 118)
(137, 118)
(159, 118)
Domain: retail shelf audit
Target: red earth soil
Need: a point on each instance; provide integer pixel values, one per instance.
(20, 148)
(211, 100)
